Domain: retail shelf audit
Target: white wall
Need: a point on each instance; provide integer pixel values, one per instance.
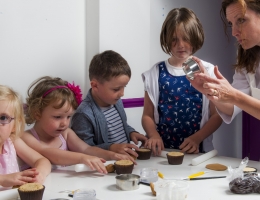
(39, 38)
(42, 38)
(123, 26)
(59, 38)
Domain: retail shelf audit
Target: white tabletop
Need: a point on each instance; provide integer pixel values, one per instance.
(66, 178)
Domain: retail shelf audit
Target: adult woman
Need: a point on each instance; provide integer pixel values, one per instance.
(244, 18)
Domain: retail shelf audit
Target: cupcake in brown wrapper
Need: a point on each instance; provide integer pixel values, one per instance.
(248, 169)
(31, 191)
(124, 166)
(143, 153)
(175, 158)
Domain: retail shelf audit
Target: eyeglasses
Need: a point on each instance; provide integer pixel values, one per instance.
(5, 119)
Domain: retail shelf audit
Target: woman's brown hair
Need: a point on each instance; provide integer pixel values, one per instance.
(249, 58)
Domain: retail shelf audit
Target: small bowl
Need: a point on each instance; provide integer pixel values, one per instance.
(127, 181)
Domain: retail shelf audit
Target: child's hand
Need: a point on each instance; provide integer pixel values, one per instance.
(124, 148)
(94, 163)
(190, 145)
(18, 178)
(135, 137)
(156, 144)
(40, 178)
(118, 156)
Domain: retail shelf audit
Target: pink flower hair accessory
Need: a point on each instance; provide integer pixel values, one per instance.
(76, 90)
(72, 87)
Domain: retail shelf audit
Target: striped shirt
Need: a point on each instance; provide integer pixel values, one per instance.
(116, 132)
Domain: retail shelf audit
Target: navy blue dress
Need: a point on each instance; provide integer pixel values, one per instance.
(179, 108)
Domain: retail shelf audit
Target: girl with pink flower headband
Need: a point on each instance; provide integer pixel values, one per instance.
(50, 104)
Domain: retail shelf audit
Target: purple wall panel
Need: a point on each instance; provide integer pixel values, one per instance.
(134, 102)
(251, 137)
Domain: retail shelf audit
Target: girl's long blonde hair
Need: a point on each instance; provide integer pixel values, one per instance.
(14, 99)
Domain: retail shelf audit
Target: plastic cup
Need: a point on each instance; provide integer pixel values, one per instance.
(180, 190)
(162, 189)
(84, 194)
(172, 189)
(149, 175)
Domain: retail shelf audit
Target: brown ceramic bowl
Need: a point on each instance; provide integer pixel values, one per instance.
(144, 154)
(124, 166)
(175, 158)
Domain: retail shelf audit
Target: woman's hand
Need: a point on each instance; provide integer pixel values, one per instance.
(197, 82)
(217, 89)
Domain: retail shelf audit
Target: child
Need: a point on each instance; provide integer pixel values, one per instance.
(100, 119)
(176, 115)
(11, 125)
(51, 104)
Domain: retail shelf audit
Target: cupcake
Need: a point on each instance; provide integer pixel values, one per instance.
(248, 169)
(124, 166)
(143, 154)
(31, 191)
(175, 158)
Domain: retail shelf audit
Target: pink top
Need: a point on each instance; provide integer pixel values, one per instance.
(8, 160)
(63, 141)
(24, 166)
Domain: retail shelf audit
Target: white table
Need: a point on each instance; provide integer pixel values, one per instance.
(105, 185)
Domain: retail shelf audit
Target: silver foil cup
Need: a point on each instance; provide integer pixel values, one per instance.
(127, 181)
(190, 67)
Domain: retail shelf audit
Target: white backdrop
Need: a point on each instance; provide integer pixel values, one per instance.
(39, 38)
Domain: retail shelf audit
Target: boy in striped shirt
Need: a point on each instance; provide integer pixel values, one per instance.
(100, 120)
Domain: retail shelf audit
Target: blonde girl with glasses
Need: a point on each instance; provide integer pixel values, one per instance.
(11, 126)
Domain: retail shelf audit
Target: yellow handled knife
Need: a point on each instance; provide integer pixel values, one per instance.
(196, 174)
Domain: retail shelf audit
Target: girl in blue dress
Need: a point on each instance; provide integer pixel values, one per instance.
(175, 114)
